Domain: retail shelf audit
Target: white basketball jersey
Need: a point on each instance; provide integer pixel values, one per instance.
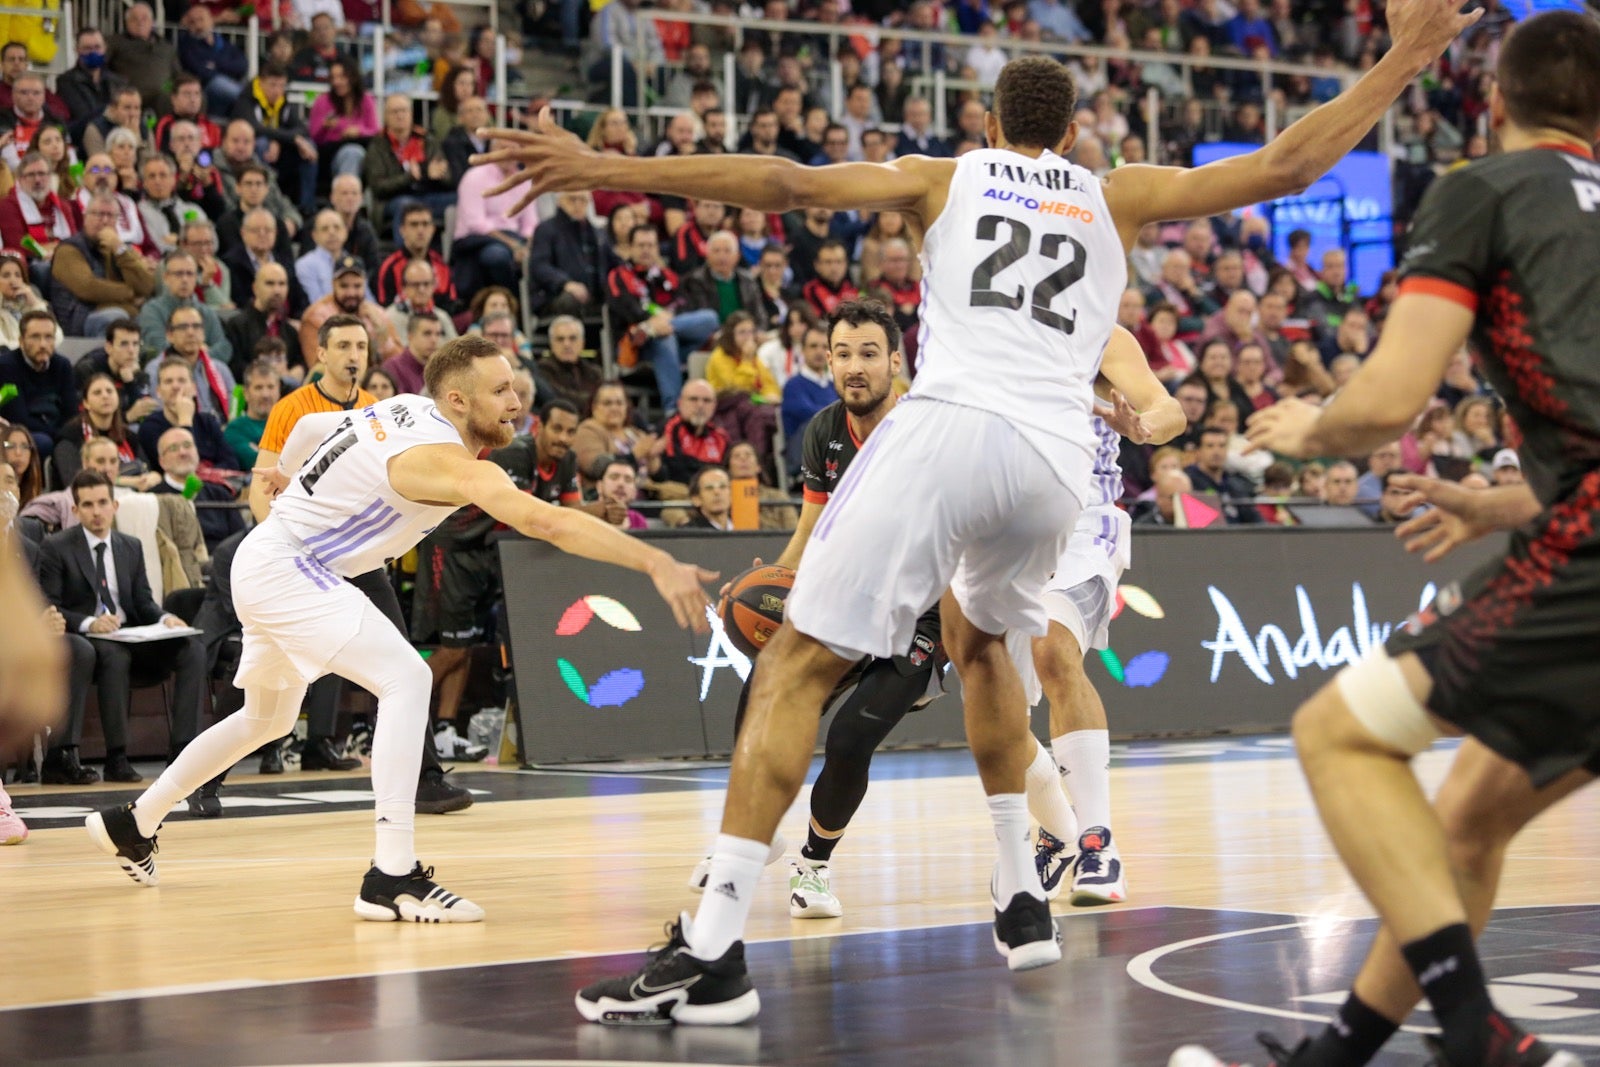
(1105, 481)
(340, 504)
(1022, 274)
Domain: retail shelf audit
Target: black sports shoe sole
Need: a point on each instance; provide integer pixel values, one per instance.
(445, 805)
(671, 1006)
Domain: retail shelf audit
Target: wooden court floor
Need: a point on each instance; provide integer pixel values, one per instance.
(253, 902)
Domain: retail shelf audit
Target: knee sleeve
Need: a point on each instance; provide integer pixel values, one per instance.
(1377, 694)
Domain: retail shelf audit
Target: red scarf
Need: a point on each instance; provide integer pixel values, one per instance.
(214, 380)
(413, 152)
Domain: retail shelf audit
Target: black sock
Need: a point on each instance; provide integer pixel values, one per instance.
(818, 849)
(1351, 1040)
(1447, 968)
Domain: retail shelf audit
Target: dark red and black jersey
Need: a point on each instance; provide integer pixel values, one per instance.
(1515, 238)
(391, 274)
(688, 247)
(825, 454)
(823, 297)
(630, 292)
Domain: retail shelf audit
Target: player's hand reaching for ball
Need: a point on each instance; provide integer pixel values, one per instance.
(727, 585)
(682, 586)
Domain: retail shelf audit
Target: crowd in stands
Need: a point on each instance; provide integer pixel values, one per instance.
(204, 231)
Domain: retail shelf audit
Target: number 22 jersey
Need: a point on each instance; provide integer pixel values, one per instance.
(340, 504)
(1022, 274)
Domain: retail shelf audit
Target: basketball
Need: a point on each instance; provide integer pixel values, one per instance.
(752, 610)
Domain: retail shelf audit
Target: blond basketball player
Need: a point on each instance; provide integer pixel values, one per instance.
(356, 489)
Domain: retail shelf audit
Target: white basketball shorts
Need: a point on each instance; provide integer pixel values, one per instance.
(1100, 549)
(942, 497)
(297, 614)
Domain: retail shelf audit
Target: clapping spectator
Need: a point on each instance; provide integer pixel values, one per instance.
(404, 166)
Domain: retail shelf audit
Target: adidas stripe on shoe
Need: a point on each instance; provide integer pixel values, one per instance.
(413, 897)
(116, 832)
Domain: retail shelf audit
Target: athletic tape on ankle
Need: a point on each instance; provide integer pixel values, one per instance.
(1377, 694)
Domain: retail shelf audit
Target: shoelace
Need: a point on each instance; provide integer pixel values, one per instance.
(1048, 844)
(1089, 861)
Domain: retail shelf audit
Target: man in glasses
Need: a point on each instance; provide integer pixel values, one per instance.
(180, 275)
(99, 278)
(32, 217)
(184, 335)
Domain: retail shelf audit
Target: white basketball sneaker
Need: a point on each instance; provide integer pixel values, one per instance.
(811, 891)
(1097, 876)
(702, 870)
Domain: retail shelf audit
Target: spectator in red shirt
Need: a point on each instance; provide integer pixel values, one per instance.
(690, 440)
(188, 105)
(832, 285)
(416, 242)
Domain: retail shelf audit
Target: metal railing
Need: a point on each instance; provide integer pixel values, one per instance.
(924, 41)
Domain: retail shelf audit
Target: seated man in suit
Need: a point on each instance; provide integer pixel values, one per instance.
(96, 577)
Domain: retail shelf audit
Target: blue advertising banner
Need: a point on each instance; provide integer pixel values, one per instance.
(1352, 207)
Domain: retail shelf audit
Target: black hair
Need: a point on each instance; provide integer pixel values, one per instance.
(858, 313)
(1034, 99)
(1549, 74)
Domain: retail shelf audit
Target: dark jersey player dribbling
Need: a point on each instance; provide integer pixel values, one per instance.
(864, 363)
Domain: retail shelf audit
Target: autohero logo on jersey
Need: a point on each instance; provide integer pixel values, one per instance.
(1058, 180)
(616, 687)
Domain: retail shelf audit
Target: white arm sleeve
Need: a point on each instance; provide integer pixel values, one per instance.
(309, 432)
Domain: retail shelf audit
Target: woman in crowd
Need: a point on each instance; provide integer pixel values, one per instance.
(343, 120)
(754, 236)
(378, 382)
(781, 355)
(461, 84)
(100, 415)
(122, 145)
(17, 298)
(1170, 359)
(1313, 478)
(1430, 436)
(613, 133)
(19, 451)
(1474, 435)
(51, 143)
(747, 394)
(1249, 370)
(620, 223)
(490, 300)
(609, 431)
(744, 463)
(886, 225)
(1216, 372)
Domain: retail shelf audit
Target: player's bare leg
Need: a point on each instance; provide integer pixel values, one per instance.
(700, 976)
(1082, 748)
(1394, 843)
(450, 668)
(997, 731)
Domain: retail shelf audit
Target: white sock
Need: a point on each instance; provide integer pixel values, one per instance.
(396, 848)
(1085, 759)
(736, 866)
(264, 717)
(1014, 870)
(1046, 801)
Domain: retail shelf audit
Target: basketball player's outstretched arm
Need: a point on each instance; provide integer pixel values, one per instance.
(555, 161)
(1457, 514)
(447, 474)
(1141, 408)
(1308, 149)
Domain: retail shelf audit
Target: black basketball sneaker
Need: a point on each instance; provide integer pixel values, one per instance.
(1025, 933)
(675, 987)
(117, 833)
(412, 897)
